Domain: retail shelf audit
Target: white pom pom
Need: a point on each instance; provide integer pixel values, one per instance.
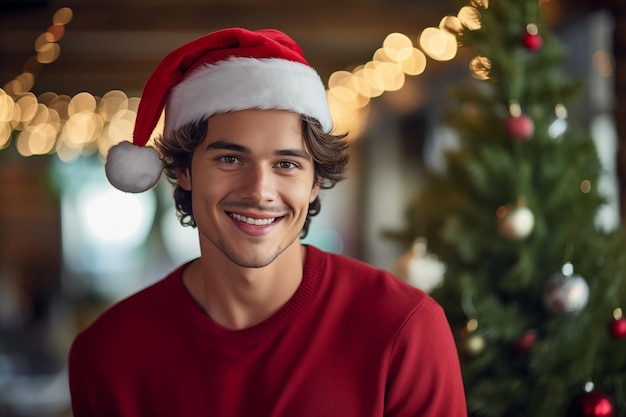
(132, 168)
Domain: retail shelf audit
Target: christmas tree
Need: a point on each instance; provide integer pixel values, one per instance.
(533, 283)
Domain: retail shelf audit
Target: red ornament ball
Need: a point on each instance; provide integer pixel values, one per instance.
(532, 41)
(617, 328)
(519, 127)
(526, 341)
(591, 404)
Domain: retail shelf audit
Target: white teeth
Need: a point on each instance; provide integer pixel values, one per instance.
(250, 220)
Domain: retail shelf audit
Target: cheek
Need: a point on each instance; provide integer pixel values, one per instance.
(302, 197)
(211, 190)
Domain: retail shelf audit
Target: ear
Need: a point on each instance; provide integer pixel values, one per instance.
(314, 191)
(184, 178)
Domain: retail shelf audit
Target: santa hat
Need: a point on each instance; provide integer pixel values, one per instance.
(228, 70)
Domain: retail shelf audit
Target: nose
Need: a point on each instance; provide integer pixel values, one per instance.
(259, 185)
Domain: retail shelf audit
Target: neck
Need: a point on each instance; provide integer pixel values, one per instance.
(236, 297)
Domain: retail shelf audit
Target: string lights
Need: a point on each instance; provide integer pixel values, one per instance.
(84, 124)
(349, 93)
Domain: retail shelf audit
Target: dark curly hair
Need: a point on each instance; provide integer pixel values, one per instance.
(329, 152)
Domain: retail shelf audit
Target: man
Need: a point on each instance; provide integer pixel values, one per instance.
(259, 324)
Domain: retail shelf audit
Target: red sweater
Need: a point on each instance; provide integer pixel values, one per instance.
(352, 341)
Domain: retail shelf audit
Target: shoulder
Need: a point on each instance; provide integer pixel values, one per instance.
(137, 305)
(375, 289)
(357, 274)
(122, 320)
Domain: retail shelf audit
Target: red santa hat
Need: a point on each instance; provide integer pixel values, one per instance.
(228, 70)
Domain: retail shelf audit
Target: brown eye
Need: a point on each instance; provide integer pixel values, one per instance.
(229, 159)
(287, 165)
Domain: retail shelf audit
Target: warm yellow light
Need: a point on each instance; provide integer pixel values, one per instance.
(532, 29)
(121, 126)
(41, 42)
(54, 119)
(82, 103)
(585, 186)
(133, 103)
(471, 325)
(340, 110)
(7, 106)
(349, 97)
(416, 64)
(392, 74)
(81, 129)
(83, 121)
(16, 121)
(470, 17)
(41, 138)
(26, 80)
(22, 143)
(5, 134)
(356, 125)
(111, 103)
(28, 108)
(481, 3)
(340, 79)
(374, 80)
(61, 104)
(479, 67)
(515, 109)
(451, 24)
(342, 93)
(76, 131)
(398, 46)
(48, 53)
(63, 16)
(41, 115)
(342, 86)
(438, 44)
(560, 111)
(381, 55)
(9, 88)
(347, 118)
(47, 98)
(39, 122)
(66, 153)
(364, 88)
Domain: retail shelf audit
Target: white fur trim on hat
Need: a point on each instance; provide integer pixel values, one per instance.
(248, 83)
(133, 168)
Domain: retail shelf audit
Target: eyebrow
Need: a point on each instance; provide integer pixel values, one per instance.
(224, 145)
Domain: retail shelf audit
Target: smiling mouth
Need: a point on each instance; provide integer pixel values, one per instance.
(253, 221)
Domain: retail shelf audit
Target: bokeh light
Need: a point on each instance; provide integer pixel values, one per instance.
(480, 67)
(84, 124)
(470, 18)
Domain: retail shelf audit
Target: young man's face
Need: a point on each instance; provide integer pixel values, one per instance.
(251, 180)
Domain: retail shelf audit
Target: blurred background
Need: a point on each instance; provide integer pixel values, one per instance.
(71, 75)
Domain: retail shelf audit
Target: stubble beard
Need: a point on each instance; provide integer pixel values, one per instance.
(256, 259)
